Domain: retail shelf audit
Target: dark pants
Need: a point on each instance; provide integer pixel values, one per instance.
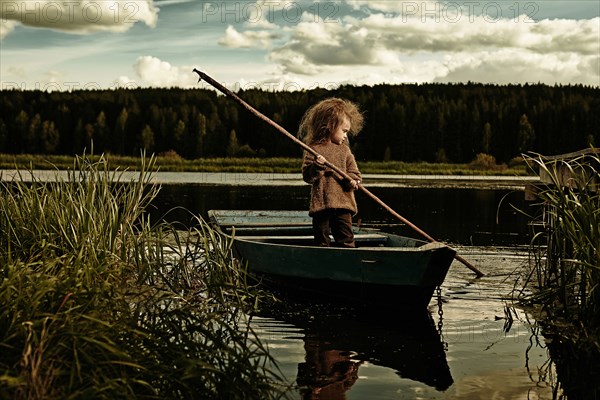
(339, 221)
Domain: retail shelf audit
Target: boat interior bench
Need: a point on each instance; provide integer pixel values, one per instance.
(361, 239)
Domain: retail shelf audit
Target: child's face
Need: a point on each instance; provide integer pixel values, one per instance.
(340, 133)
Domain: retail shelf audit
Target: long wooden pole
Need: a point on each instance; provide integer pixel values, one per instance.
(309, 149)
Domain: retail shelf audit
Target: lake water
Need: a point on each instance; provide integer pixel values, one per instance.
(462, 349)
(467, 352)
(461, 211)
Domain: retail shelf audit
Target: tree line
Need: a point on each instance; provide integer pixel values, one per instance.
(409, 122)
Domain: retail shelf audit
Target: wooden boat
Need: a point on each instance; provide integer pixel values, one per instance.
(384, 269)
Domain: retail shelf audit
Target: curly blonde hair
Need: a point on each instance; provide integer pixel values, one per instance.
(324, 117)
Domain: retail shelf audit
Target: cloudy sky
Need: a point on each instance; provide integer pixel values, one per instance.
(289, 45)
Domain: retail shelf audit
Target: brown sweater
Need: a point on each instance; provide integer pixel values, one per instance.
(329, 190)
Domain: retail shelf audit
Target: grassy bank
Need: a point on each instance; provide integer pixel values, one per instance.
(98, 302)
(172, 162)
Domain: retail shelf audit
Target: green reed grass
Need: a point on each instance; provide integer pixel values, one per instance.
(99, 302)
(566, 273)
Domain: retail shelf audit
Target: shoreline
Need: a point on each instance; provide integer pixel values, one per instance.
(292, 179)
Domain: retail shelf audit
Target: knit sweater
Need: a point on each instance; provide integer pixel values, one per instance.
(329, 190)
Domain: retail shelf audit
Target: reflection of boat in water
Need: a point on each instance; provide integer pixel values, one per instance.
(338, 341)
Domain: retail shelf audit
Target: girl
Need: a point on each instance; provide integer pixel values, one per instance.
(325, 128)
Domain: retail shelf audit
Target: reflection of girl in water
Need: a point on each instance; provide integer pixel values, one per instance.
(327, 373)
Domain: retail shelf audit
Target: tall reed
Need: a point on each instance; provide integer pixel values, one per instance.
(566, 272)
(96, 301)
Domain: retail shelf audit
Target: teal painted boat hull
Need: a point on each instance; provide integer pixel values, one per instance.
(383, 269)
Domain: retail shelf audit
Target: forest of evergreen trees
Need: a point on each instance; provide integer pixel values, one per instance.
(425, 122)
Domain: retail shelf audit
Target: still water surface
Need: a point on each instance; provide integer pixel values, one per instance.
(462, 349)
(473, 356)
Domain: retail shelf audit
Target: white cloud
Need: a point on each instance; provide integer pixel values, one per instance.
(78, 16)
(154, 72)
(124, 82)
(151, 71)
(377, 42)
(516, 65)
(247, 39)
(6, 27)
(378, 32)
(579, 36)
(545, 36)
(411, 7)
(562, 51)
